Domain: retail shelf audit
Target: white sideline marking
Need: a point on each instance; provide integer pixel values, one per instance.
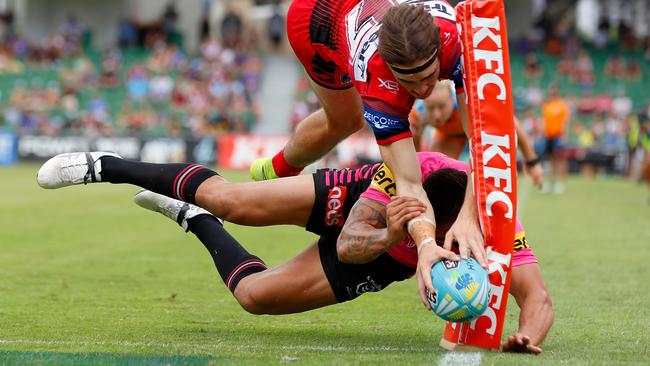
(215, 347)
(461, 359)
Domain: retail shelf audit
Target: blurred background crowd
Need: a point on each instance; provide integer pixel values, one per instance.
(149, 79)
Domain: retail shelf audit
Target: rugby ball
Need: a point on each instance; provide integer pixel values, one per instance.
(461, 290)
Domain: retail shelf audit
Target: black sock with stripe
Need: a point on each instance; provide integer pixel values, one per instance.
(232, 260)
(178, 181)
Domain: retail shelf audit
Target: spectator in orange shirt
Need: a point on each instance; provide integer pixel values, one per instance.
(555, 112)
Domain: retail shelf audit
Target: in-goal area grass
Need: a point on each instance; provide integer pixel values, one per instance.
(87, 277)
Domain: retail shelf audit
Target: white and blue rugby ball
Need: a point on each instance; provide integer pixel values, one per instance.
(461, 290)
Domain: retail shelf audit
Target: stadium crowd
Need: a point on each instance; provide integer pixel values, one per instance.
(61, 86)
(148, 85)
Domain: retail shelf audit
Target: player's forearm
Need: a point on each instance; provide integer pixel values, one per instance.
(401, 159)
(364, 235)
(464, 115)
(536, 317)
(361, 244)
(524, 143)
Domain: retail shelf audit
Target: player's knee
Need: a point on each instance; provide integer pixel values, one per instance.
(224, 202)
(254, 299)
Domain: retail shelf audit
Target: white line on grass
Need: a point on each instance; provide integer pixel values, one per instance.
(214, 347)
(461, 359)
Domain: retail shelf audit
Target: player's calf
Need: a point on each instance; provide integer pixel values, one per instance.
(232, 260)
(176, 180)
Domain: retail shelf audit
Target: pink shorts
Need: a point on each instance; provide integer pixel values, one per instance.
(523, 256)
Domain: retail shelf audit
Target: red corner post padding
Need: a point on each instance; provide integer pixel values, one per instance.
(486, 68)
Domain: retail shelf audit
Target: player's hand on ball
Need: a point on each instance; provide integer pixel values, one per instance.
(399, 212)
(520, 343)
(467, 233)
(429, 254)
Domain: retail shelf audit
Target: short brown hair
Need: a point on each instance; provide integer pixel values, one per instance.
(408, 35)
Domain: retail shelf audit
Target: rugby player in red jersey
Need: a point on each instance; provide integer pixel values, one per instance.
(368, 61)
(363, 246)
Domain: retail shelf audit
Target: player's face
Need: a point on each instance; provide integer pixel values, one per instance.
(420, 84)
(439, 106)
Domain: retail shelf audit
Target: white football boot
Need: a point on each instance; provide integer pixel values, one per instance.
(73, 168)
(176, 210)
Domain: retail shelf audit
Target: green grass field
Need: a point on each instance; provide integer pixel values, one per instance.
(89, 278)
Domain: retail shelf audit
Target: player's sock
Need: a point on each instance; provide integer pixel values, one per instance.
(282, 168)
(232, 260)
(178, 181)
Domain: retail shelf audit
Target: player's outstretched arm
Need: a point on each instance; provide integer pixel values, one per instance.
(466, 230)
(536, 310)
(373, 227)
(532, 164)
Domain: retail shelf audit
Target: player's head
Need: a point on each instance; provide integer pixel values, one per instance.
(409, 43)
(439, 105)
(445, 189)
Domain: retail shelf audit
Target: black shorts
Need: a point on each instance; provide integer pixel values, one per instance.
(552, 147)
(337, 190)
(351, 280)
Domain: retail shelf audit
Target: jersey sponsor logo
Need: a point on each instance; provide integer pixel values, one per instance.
(383, 181)
(334, 206)
(390, 85)
(381, 121)
(520, 241)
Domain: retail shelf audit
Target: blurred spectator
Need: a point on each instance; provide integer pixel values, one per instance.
(533, 69)
(534, 95)
(109, 75)
(137, 82)
(98, 107)
(555, 112)
(276, 26)
(169, 19)
(231, 27)
(161, 86)
(633, 71)
(584, 70)
(127, 34)
(72, 29)
(602, 104)
(586, 104)
(622, 105)
(615, 67)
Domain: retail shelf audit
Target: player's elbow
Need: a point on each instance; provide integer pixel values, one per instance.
(343, 253)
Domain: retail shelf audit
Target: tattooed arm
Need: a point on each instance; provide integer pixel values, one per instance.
(373, 227)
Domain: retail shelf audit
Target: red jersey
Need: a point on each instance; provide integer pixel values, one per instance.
(386, 103)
